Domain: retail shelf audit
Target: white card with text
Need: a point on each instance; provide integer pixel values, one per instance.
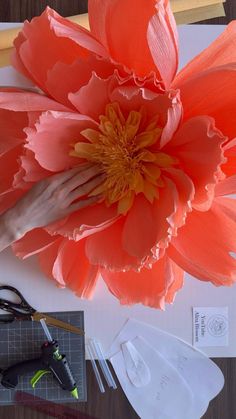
(210, 326)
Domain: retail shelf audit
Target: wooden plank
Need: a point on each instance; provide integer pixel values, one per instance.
(201, 13)
(183, 5)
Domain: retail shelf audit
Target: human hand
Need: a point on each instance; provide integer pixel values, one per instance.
(54, 198)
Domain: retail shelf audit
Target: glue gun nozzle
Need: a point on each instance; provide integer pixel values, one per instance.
(75, 393)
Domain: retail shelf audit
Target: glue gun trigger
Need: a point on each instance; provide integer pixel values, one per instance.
(37, 376)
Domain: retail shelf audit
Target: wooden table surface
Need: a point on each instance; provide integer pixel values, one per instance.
(113, 404)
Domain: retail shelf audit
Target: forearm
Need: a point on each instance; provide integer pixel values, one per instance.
(9, 231)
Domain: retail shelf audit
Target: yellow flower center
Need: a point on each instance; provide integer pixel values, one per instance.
(122, 146)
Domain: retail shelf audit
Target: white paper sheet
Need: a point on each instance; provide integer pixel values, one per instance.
(166, 396)
(203, 376)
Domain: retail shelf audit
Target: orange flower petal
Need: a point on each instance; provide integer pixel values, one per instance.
(82, 99)
(197, 146)
(32, 243)
(173, 118)
(177, 284)
(220, 52)
(230, 154)
(52, 138)
(64, 41)
(9, 166)
(226, 186)
(28, 101)
(150, 287)
(212, 93)
(203, 245)
(85, 222)
(139, 234)
(11, 132)
(183, 198)
(76, 75)
(110, 254)
(68, 265)
(30, 170)
(164, 109)
(113, 30)
(163, 41)
(48, 256)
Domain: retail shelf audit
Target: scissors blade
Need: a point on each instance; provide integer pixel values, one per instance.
(51, 321)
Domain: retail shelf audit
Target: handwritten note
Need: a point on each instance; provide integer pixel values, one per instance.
(210, 326)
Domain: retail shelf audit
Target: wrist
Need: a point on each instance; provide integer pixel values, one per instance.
(14, 227)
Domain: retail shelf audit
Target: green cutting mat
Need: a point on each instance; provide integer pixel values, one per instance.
(20, 341)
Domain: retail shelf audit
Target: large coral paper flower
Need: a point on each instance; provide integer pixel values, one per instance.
(165, 142)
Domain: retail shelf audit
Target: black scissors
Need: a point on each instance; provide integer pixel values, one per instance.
(22, 310)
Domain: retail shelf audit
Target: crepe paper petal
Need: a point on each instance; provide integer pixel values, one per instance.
(163, 42)
(139, 233)
(32, 243)
(73, 268)
(11, 133)
(76, 75)
(9, 166)
(53, 136)
(65, 262)
(220, 52)
(149, 286)
(226, 186)
(31, 171)
(220, 81)
(164, 209)
(177, 284)
(110, 254)
(198, 147)
(82, 99)
(27, 101)
(118, 23)
(48, 256)
(174, 117)
(166, 108)
(185, 193)
(85, 222)
(65, 42)
(203, 245)
(230, 154)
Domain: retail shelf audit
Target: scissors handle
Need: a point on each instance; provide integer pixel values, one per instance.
(16, 311)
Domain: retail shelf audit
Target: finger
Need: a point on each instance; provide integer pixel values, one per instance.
(85, 203)
(60, 178)
(82, 177)
(86, 188)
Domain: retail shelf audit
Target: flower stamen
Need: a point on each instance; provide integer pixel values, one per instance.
(124, 151)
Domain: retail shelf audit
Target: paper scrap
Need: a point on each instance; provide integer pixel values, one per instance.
(210, 326)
